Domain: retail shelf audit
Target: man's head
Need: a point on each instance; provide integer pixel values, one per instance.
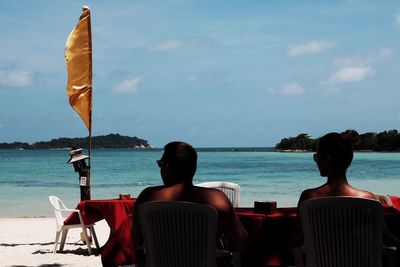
(178, 163)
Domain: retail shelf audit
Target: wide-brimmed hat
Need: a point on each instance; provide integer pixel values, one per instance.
(76, 155)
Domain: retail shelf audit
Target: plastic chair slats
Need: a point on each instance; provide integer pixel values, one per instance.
(231, 190)
(178, 234)
(342, 232)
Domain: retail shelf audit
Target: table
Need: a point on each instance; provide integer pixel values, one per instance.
(119, 248)
(271, 235)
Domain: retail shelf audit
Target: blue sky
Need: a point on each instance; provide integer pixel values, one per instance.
(212, 73)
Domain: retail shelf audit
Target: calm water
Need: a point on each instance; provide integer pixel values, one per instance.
(28, 177)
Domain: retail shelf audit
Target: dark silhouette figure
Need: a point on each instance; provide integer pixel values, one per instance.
(177, 168)
(333, 157)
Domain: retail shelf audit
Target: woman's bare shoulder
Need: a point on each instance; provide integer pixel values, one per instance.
(311, 193)
(365, 194)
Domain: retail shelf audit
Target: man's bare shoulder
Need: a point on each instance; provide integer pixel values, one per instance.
(149, 194)
(213, 197)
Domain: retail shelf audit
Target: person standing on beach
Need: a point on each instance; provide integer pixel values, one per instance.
(177, 168)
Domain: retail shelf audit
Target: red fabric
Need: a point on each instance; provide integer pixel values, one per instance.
(395, 201)
(271, 235)
(119, 249)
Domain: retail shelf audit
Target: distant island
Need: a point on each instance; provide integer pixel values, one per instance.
(102, 141)
(383, 141)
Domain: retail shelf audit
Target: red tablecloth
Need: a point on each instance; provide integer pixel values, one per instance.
(119, 249)
(271, 235)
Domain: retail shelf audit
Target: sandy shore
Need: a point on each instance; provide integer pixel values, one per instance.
(30, 242)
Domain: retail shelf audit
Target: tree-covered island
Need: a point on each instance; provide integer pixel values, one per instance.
(383, 142)
(103, 141)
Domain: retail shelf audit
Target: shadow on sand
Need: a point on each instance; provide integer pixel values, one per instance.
(42, 265)
(25, 244)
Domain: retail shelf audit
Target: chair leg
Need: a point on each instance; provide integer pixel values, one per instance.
(85, 236)
(63, 238)
(56, 241)
(93, 233)
(236, 259)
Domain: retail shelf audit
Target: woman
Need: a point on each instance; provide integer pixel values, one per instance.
(333, 157)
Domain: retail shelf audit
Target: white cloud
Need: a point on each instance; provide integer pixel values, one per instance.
(192, 78)
(347, 62)
(350, 74)
(165, 46)
(128, 86)
(370, 59)
(384, 53)
(293, 88)
(16, 78)
(312, 47)
(397, 18)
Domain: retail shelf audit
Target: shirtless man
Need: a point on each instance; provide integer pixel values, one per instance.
(177, 169)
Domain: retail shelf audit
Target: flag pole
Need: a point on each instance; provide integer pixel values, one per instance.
(90, 99)
(90, 79)
(78, 56)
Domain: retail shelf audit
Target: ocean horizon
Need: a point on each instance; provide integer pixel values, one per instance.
(28, 177)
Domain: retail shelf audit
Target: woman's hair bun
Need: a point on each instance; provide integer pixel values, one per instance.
(350, 137)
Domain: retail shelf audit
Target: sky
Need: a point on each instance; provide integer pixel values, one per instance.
(211, 73)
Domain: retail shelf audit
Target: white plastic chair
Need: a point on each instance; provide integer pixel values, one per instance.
(384, 199)
(179, 234)
(231, 190)
(341, 232)
(59, 208)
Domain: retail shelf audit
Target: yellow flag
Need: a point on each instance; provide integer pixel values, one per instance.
(78, 56)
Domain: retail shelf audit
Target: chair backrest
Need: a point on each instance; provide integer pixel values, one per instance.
(58, 206)
(231, 190)
(342, 232)
(178, 234)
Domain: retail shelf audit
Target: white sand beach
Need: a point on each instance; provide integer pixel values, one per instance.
(30, 242)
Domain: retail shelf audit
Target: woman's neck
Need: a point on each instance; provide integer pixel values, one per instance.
(337, 179)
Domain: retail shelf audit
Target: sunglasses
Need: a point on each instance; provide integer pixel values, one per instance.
(161, 163)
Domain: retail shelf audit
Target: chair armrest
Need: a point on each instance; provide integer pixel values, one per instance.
(79, 214)
(223, 253)
(298, 254)
(389, 256)
(234, 257)
(389, 249)
(72, 210)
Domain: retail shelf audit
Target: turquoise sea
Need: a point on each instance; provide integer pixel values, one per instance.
(28, 177)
